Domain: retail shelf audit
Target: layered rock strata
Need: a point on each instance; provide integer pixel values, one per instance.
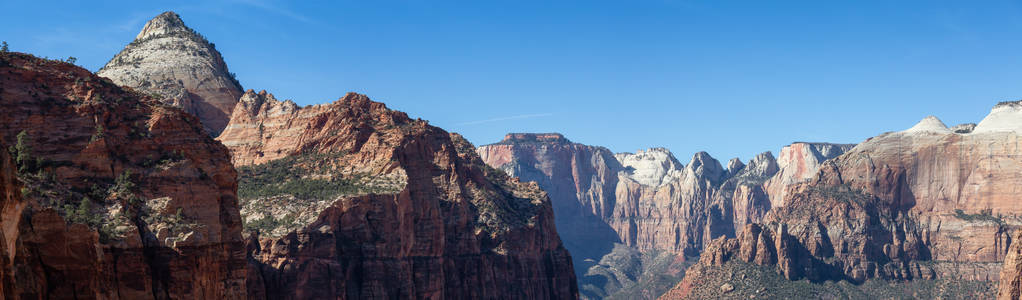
(110, 194)
(798, 162)
(646, 200)
(921, 203)
(353, 200)
(175, 63)
(1010, 286)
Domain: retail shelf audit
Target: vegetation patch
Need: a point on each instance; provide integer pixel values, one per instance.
(985, 215)
(306, 176)
(288, 193)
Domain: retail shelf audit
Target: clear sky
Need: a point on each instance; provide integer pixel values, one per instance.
(732, 78)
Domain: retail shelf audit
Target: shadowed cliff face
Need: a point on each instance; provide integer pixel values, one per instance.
(179, 65)
(396, 208)
(647, 201)
(923, 203)
(109, 194)
(581, 181)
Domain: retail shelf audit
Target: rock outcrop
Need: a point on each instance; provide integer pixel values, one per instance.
(798, 162)
(1010, 287)
(353, 200)
(1003, 118)
(742, 198)
(581, 181)
(646, 200)
(179, 65)
(110, 194)
(653, 167)
(923, 203)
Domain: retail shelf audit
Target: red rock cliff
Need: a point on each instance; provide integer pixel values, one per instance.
(646, 200)
(111, 195)
(401, 209)
(926, 202)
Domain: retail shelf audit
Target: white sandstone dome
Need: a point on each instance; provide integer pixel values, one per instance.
(1005, 117)
(930, 124)
(653, 167)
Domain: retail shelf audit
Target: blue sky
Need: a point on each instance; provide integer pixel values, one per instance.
(733, 78)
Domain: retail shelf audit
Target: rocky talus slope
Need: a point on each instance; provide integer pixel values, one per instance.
(924, 203)
(109, 194)
(353, 200)
(179, 65)
(647, 201)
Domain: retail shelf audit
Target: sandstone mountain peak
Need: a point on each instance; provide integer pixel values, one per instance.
(734, 165)
(652, 167)
(169, 59)
(398, 196)
(764, 164)
(705, 166)
(930, 124)
(164, 23)
(799, 162)
(641, 201)
(1004, 117)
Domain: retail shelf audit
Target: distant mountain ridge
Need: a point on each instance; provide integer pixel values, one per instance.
(926, 203)
(647, 201)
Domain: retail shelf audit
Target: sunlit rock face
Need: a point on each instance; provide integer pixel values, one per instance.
(111, 194)
(923, 203)
(1003, 118)
(350, 199)
(646, 200)
(179, 65)
(653, 167)
(798, 162)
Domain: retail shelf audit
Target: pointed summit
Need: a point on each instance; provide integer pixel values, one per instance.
(174, 62)
(705, 166)
(166, 23)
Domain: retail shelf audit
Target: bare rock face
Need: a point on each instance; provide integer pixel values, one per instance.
(263, 128)
(353, 200)
(653, 167)
(923, 203)
(655, 198)
(110, 194)
(657, 204)
(963, 128)
(1011, 275)
(179, 65)
(1003, 118)
(741, 199)
(669, 217)
(798, 162)
(581, 181)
